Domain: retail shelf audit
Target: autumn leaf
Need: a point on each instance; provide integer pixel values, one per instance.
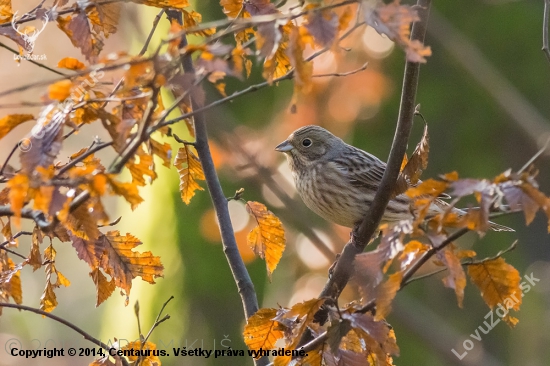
(71, 64)
(322, 25)
(456, 278)
(385, 293)
(190, 170)
(48, 301)
(150, 360)
(77, 28)
(410, 173)
(19, 188)
(298, 318)
(142, 168)
(267, 239)
(11, 121)
(261, 331)
(117, 258)
(303, 70)
(104, 287)
(129, 191)
(499, 284)
(394, 20)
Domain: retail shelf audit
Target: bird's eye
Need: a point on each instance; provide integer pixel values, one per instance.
(306, 142)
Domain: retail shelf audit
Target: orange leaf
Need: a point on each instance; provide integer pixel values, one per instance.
(71, 64)
(118, 260)
(19, 188)
(261, 331)
(499, 283)
(129, 191)
(385, 292)
(418, 162)
(190, 170)
(150, 360)
(11, 121)
(268, 238)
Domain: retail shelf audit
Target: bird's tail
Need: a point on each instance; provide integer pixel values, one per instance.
(439, 206)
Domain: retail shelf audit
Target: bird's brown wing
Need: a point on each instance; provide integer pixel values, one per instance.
(362, 169)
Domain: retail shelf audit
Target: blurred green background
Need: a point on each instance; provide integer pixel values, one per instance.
(484, 93)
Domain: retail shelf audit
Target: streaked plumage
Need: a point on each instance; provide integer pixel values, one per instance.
(338, 181)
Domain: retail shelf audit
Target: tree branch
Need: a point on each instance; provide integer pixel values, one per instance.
(363, 233)
(238, 269)
(545, 48)
(67, 323)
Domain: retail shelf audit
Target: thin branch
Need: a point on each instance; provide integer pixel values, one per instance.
(89, 152)
(67, 323)
(231, 251)
(545, 48)
(5, 243)
(363, 233)
(14, 51)
(37, 216)
(362, 68)
(150, 36)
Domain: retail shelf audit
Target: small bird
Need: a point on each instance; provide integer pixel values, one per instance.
(338, 181)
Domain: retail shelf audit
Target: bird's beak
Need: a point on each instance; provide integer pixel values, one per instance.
(284, 147)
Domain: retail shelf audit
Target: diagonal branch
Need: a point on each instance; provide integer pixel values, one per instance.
(363, 233)
(67, 323)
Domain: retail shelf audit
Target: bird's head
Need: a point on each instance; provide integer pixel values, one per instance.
(308, 145)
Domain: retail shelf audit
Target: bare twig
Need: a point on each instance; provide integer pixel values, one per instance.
(502, 91)
(14, 51)
(231, 251)
(362, 68)
(150, 36)
(362, 234)
(545, 48)
(67, 323)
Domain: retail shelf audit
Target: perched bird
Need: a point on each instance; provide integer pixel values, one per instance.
(338, 181)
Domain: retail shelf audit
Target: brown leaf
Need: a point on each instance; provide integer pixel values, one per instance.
(77, 28)
(261, 331)
(322, 25)
(35, 258)
(11, 121)
(418, 162)
(456, 278)
(48, 300)
(267, 239)
(193, 19)
(141, 169)
(163, 151)
(499, 284)
(104, 18)
(190, 170)
(118, 260)
(129, 191)
(394, 20)
(104, 288)
(385, 293)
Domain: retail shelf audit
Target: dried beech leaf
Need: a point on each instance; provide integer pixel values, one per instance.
(267, 239)
(499, 284)
(190, 170)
